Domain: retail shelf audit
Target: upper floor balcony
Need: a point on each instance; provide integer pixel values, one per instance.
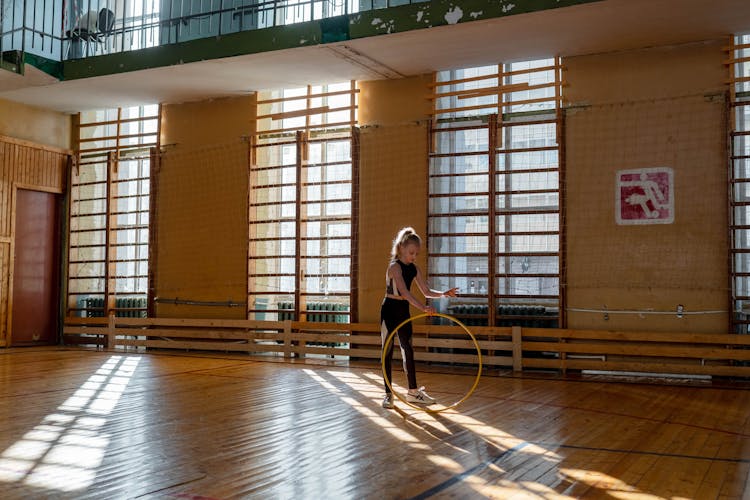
(179, 50)
(64, 30)
(61, 30)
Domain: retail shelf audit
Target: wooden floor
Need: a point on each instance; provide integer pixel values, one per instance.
(88, 424)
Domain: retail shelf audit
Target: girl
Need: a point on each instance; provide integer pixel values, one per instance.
(395, 309)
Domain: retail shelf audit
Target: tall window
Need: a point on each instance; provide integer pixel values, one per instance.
(494, 209)
(303, 190)
(298, 11)
(183, 20)
(109, 212)
(740, 181)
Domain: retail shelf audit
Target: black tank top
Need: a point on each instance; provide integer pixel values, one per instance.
(408, 271)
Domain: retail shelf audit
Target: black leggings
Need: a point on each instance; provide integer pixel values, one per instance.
(392, 313)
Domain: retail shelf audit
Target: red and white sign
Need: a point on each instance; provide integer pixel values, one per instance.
(645, 196)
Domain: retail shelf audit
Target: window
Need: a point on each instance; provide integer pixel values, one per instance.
(740, 181)
(109, 212)
(303, 190)
(494, 202)
(193, 19)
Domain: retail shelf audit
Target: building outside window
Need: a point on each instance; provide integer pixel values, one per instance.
(494, 208)
(302, 191)
(109, 212)
(740, 182)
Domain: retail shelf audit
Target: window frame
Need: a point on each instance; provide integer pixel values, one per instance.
(105, 144)
(738, 125)
(491, 101)
(300, 119)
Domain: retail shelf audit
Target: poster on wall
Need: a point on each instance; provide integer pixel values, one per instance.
(644, 196)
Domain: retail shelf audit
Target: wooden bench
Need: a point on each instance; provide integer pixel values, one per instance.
(514, 347)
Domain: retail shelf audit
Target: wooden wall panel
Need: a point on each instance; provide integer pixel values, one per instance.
(4, 287)
(30, 166)
(6, 178)
(40, 168)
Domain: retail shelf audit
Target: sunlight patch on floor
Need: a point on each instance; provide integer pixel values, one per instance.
(614, 487)
(63, 451)
(380, 420)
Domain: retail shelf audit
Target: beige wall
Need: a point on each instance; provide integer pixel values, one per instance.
(393, 191)
(206, 123)
(660, 107)
(201, 220)
(37, 125)
(395, 102)
(393, 183)
(190, 263)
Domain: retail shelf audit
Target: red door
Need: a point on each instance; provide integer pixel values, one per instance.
(36, 274)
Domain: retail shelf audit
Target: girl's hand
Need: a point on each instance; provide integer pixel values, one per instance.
(428, 309)
(451, 293)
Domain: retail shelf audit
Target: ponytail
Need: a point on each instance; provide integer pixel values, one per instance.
(404, 237)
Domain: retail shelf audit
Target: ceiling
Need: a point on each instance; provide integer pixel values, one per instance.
(606, 26)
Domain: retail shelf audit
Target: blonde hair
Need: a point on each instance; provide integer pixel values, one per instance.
(404, 237)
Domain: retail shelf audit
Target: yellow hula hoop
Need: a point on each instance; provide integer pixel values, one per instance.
(388, 341)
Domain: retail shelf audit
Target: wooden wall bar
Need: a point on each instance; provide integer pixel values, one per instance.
(515, 347)
(25, 165)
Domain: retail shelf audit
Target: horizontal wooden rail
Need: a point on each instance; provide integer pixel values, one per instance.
(562, 350)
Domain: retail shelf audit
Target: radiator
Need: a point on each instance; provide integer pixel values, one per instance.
(520, 315)
(129, 307)
(317, 312)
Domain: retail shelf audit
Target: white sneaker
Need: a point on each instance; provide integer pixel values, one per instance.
(388, 401)
(420, 397)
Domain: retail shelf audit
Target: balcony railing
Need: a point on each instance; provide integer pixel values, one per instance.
(58, 30)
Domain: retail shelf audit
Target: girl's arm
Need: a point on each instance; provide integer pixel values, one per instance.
(428, 292)
(394, 271)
